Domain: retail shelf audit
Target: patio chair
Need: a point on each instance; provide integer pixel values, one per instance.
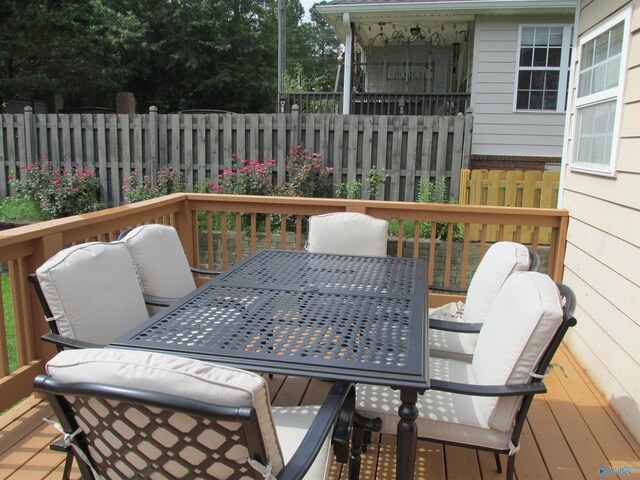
(454, 326)
(483, 404)
(347, 233)
(90, 294)
(162, 265)
(128, 414)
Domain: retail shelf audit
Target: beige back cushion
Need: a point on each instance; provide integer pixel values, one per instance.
(500, 261)
(348, 233)
(93, 291)
(173, 375)
(160, 259)
(522, 322)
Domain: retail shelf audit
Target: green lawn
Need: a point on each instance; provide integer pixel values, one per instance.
(8, 318)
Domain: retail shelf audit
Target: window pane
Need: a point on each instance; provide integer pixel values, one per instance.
(554, 57)
(550, 100)
(584, 87)
(615, 46)
(587, 55)
(522, 102)
(527, 36)
(526, 57)
(551, 81)
(535, 101)
(537, 80)
(601, 47)
(540, 57)
(524, 80)
(595, 133)
(613, 72)
(542, 36)
(555, 36)
(599, 78)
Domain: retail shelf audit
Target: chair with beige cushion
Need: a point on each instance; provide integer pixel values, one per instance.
(90, 294)
(454, 326)
(347, 233)
(163, 268)
(139, 414)
(484, 404)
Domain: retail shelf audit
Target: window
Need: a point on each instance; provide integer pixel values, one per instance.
(599, 96)
(543, 67)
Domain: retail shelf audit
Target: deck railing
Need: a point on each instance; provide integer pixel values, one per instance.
(219, 230)
(369, 103)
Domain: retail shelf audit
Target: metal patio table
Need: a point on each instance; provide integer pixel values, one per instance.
(333, 317)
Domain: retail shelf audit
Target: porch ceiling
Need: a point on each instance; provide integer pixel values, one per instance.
(446, 17)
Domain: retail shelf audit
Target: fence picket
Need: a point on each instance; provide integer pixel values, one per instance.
(367, 152)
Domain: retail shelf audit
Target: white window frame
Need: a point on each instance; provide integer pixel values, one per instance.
(615, 93)
(563, 69)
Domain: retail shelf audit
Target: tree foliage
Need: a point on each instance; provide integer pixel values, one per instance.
(176, 54)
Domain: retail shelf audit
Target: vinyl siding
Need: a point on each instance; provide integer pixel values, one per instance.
(602, 262)
(498, 130)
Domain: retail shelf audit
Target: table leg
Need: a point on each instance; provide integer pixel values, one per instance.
(407, 440)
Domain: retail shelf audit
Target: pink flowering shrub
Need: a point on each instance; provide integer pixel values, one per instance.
(250, 177)
(306, 174)
(59, 193)
(137, 188)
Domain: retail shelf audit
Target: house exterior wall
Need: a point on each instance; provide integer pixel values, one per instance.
(602, 263)
(497, 128)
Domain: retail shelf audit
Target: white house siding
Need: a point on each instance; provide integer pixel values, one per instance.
(497, 128)
(602, 262)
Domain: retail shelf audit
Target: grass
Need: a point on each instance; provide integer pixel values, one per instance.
(9, 324)
(20, 209)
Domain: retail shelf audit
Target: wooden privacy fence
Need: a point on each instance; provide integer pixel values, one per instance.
(513, 188)
(201, 145)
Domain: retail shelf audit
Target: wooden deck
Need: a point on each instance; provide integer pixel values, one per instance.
(570, 434)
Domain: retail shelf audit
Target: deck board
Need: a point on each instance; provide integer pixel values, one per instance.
(570, 432)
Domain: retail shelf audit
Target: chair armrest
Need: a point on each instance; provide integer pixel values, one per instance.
(204, 271)
(439, 288)
(488, 390)
(67, 342)
(158, 301)
(341, 394)
(459, 327)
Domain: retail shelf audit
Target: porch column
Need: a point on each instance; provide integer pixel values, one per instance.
(348, 61)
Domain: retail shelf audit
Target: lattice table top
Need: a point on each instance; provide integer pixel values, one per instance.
(325, 316)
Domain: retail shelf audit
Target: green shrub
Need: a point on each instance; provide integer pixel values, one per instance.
(59, 193)
(137, 187)
(430, 192)
(20, 209)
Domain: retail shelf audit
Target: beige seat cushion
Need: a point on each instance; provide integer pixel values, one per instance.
(500, 261)
(441, 415)
(347, 233)
(520, 326)
(162, 265)
(173, 375)
(93, 291)
(292, 424)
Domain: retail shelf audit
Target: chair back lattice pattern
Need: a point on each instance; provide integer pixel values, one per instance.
(126, 440)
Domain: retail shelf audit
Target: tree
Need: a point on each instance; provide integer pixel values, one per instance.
(312, 50)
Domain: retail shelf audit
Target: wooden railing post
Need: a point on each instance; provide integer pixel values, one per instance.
(152, 150)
